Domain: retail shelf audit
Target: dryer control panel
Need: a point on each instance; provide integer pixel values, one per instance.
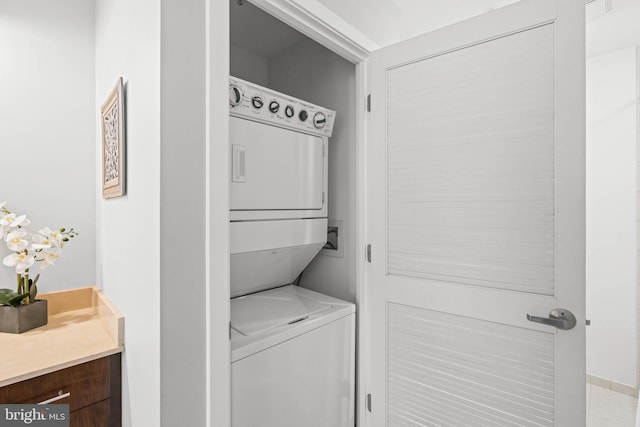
(261, 104)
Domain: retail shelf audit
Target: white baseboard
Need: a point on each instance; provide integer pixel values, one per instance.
(613, 386)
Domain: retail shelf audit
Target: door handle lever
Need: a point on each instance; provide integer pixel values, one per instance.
(561, 318)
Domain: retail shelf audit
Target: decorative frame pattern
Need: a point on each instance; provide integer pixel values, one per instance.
(113, 143)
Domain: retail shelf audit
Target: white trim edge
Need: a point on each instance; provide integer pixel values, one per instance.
(319, 23)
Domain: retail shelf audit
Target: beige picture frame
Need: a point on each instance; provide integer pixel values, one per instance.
(113, 143)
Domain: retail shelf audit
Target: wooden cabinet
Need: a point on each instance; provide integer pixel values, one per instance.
(96, 415)
(94, 390)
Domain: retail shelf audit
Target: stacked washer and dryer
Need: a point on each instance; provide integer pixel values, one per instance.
(292, 349)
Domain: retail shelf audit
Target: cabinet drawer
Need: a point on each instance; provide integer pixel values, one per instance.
(87, 383)
(96, 415)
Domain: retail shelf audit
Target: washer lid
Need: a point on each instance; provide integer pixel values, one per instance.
(256, 313)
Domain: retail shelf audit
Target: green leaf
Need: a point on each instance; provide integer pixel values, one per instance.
(33, 291)
(11, 297)
(36, 279)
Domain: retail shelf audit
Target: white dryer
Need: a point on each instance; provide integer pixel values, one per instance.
(293, 350)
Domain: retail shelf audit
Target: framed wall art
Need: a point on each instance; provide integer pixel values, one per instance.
(113, 143)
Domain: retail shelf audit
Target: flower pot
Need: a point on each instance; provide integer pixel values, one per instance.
(16, 320)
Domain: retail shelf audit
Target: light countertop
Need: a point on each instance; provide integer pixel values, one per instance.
(83, 326)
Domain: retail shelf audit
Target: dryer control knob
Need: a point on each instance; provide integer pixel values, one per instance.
(274, 106)
(257, 102)
(235, 96)
(288, 111)
(319, 120)
(303, 116)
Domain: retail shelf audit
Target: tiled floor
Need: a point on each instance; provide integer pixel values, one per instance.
(606, 408)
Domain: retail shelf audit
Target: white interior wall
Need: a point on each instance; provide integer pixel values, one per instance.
(248, 66)
(609, 31)
(127, 44)
(311, 72)
(218, 373)
(611, 217)
(153, 246)
(184, 286)
(638, 216)
(47, 128)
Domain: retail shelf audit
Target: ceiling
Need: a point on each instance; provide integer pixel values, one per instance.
(387, 22)
(248, 26)
(384, 22)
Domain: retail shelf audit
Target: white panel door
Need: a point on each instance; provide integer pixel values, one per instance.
(476, 204)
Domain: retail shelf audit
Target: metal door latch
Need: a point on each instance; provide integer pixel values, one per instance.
(561, 318)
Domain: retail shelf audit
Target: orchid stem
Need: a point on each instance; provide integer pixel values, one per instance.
(26, 286)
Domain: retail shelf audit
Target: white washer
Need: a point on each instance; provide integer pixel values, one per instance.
(292, 349)
(293, 359)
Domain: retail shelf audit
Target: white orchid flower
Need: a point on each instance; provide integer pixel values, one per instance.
(20, 221)
(41, 242)
(17, 240)
(20, 261)
(25, 222)
(54, 236)
(7, 218)
(50, 258)
(28, 249)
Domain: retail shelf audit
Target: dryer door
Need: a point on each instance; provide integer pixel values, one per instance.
(274, 168)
